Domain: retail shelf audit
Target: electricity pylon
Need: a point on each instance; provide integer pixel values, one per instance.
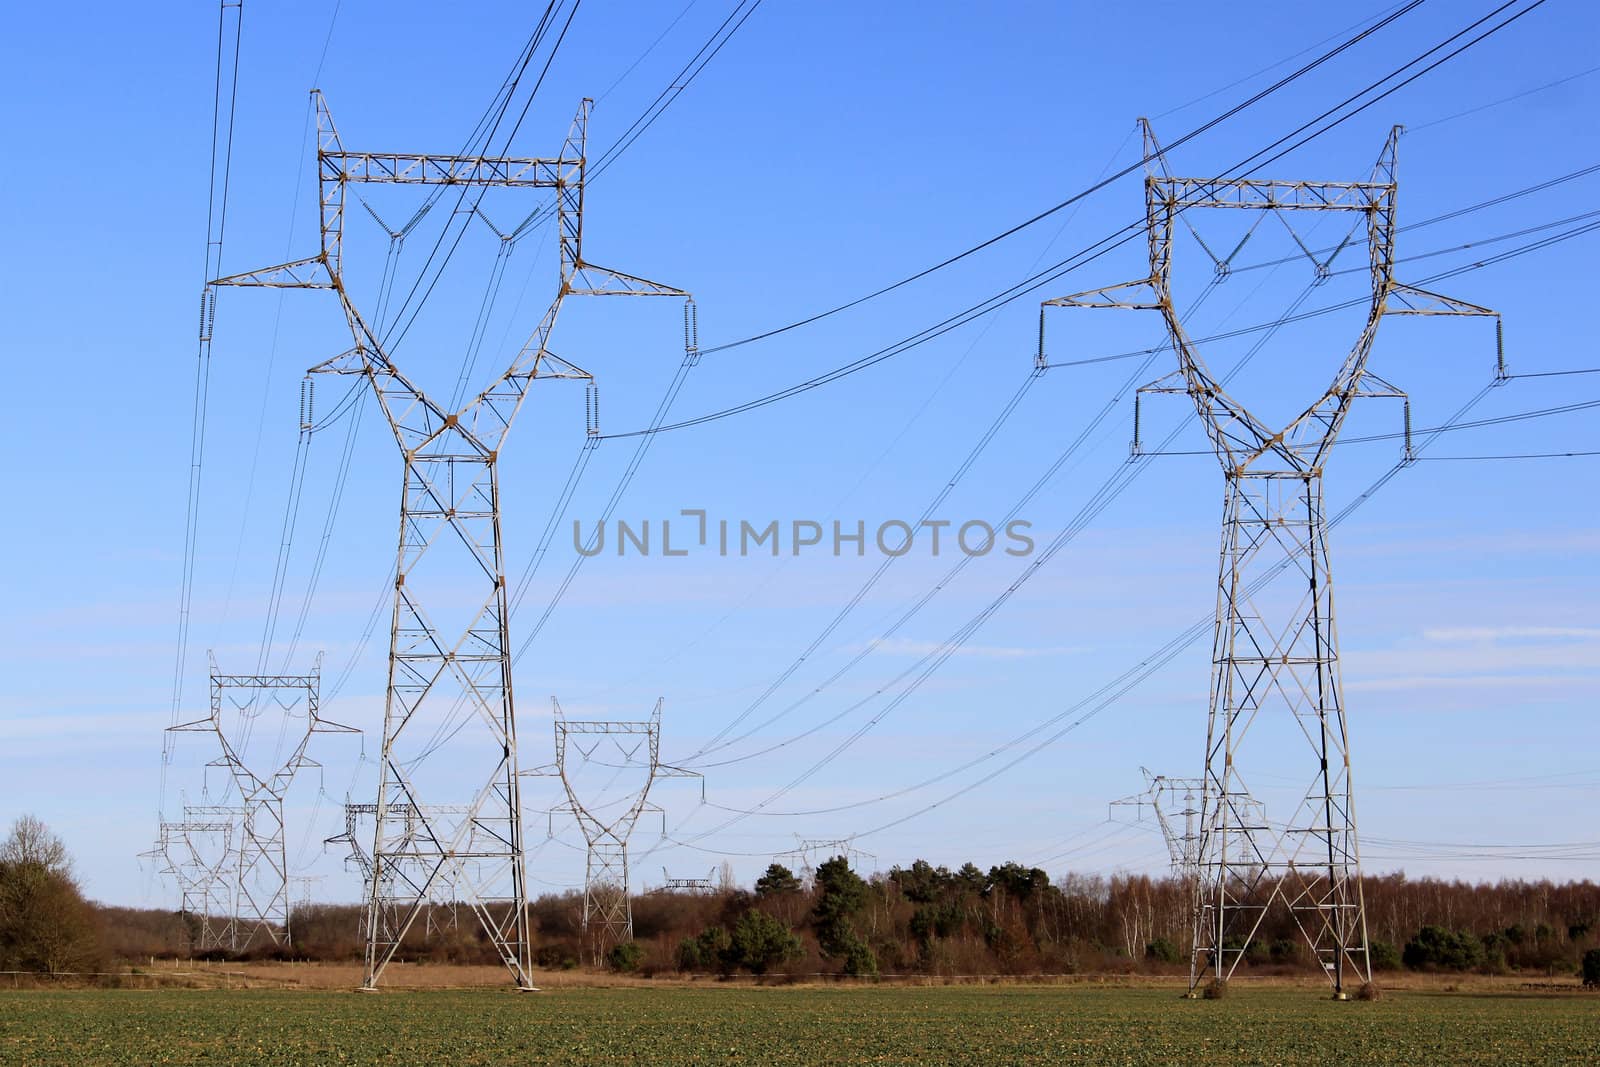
(1176, 804)
(809, 853)
(262, 871)
(607, 906)
(409, 826)
(688, 885)
(1276, 650)
(197, 853)
(452, 684)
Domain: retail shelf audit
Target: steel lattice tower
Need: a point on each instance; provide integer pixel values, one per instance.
(408, 827)
(1176, 804)
(261, 904)
(1276, 650)
(449, 521)
(607, 905)
(205, 876)
(810, 853)
(670, 884)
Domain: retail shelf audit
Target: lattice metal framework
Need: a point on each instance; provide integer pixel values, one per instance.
(459, 678)
(1175, 802)
(811, 852)
(262, 869)
(670, 884)
(1276, 649)
(607, 905)
(198, 854)
(443, 912)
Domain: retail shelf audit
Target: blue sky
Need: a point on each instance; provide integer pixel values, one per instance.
(828, 150)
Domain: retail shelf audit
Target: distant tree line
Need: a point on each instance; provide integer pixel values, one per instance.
(919, 919)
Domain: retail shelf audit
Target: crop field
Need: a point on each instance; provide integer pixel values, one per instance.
(681, 1024)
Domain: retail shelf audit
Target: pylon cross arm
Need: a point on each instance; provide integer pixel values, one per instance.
(1266, 194)
(408, 168)
(1138, 295)
(1410, 300)
(309, 273)
(591, 280)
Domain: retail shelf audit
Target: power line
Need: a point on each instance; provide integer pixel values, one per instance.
(498, 109)
(866, 587)
(1429, 435)
(866, 472)
(456, 719)
(1327, 309)
(1039, 483)
(1503, 100)
(662, 36)
(1558, 373)
(1110, 490)
(924, 668)
(1085, 255)
(1113, 691)
(713, 745)
(1041, 216)
(216, 227)
(684, 79)
(1515, 455)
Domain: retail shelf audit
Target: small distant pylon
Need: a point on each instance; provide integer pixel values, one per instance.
(607, 906)
(810, 852)
(443, 910)
(204, 872)
(689, 885)
(261, 889)
(1176, 804)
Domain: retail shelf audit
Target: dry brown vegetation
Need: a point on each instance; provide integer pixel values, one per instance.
(928, 922)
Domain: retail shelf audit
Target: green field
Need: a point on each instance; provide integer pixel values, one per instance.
(671, 1025)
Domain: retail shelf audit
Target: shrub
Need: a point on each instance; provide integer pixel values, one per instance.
(1017, 880)
(759, 941)
(1284, 950)
(1591, 969)
(860, 960)
(1384, 956)
(707, 952)
(1162, 951)
(922, 882)
(1436, 947)
(841, 893)
(936, 920)
(625, 956)
(778, 879)
(1215, 989)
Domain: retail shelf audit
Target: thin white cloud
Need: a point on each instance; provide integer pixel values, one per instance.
(902, 646)
(1511, 633)
(1467, 681)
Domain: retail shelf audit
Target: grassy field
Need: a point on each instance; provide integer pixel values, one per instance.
(682, 1024)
